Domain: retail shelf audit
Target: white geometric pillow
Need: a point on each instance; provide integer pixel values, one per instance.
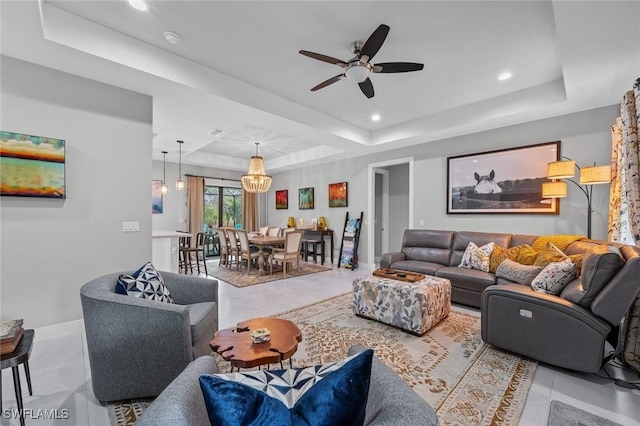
(475, 257)
(145, 283)
(554, 277)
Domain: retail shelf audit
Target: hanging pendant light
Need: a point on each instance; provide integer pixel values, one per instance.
(256, 179)
(165, 188)
(180, 182)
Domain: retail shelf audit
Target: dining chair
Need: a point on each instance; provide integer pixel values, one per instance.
(234, 251)
(188, 253)
(246, 252)
(289, 254)
(264, 230)
(274, 231)
(224, 246)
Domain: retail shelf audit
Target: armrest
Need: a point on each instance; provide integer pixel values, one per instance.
(391, 400)
(524, 294)
(181, 403)
(189, 289)
(388, 259)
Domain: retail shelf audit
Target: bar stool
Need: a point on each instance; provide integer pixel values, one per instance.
(187, 252)
(313, 244)
(13, 359)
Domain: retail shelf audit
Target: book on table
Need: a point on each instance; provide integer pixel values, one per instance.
(10, 334)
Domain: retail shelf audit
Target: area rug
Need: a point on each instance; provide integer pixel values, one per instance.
(241, 279)
(466, 381)
(561, 414)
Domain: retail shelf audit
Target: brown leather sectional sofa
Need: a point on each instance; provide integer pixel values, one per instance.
(569, 330)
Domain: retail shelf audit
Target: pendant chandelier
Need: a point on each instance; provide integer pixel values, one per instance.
(165, 188)
(256, 179)
(180, 182)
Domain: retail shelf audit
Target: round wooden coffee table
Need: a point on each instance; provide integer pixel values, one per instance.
(235, 345)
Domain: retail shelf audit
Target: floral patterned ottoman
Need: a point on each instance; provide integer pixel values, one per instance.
(413, 307)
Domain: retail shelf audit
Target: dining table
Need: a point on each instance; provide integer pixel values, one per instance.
(263, 241)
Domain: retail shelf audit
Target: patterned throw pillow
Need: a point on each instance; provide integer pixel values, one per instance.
(549, 254)
(330, 394)
(146, 283)
(516, 272)
(554, 277)
(499, 254)
(527, 255)
(475, 257)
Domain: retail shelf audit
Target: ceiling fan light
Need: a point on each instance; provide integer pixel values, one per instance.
(358, 73)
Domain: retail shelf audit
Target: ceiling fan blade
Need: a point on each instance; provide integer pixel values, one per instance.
(328, 82)
(387, 67)
(323, 58)
(374, 42)
(367, 88)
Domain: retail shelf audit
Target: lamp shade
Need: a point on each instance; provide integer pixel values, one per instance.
(594, 175)
(561, 169)
(554, 189)
(256, 179)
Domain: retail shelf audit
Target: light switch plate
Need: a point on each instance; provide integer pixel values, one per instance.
(130, 226)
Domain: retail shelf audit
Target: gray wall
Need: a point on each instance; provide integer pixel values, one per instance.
(51, 247)
(585, 138)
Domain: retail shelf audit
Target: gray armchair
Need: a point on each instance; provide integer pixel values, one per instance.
(391, 401)
(138, 346)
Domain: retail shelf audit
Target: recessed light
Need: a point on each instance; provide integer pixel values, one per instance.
(505, 76)
(171, 37)
(375, 117)
(215, 132)
(139, 5)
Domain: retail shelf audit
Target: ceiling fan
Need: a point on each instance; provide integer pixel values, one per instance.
(359, 67)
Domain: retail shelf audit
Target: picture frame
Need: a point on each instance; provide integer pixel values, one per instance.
(507, 181)
(32, 166)
(339, 194)
(282, 199)
(305, 199)
(156, 197)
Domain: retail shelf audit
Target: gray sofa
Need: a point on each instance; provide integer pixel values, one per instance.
(436, 252)
(138, 346)
(569, 330)
(391, 401)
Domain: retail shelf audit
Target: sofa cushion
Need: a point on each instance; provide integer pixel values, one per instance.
(330, 394)
(559, 240)
(550, 253)
(554, 277)
(475, 257)
(427, 268)
(462, 239)
(427, 245)
(145, 283)
(517, 272)
(470, 279)
(599, 265)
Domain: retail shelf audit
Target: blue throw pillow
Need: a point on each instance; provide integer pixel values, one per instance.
(146, 283)
(323, 395)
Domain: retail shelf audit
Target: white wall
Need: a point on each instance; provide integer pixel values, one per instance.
(50, 248)
(585, 138)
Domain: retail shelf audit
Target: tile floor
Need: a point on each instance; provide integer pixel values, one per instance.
(62, 381)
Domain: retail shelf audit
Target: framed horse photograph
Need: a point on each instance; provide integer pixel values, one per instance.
(502, 181)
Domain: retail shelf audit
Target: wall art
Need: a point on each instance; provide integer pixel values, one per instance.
(338, 194)
(502, 181)
(305, 198)
(32, 166)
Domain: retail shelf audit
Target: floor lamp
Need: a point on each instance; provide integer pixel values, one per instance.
(589, 176)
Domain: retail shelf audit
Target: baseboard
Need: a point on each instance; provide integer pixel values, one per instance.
(59, 330)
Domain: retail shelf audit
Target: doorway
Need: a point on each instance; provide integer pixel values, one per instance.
(390, 196)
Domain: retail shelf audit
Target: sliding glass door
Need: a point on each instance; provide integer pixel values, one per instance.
(222, 206)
